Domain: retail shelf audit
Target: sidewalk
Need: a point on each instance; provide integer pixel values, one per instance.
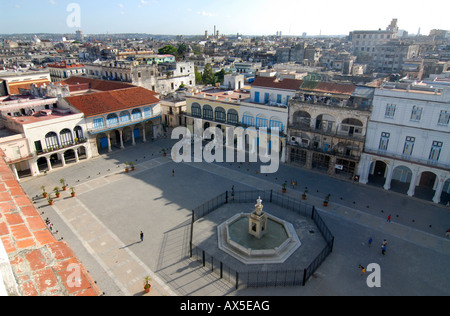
(120, 263)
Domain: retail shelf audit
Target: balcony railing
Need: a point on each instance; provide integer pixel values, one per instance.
(132, 121)
(327, 132)
(331, 152)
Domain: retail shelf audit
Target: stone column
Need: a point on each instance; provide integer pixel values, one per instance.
(49, 163)
(63, 159)
(77, 159)
(144, 138)
(14, 170)
(363, 170)
(390, 170)
(34, 168)
(121, 139)
(133, 140)
(439, 188)
(108, 136)
(412, 185)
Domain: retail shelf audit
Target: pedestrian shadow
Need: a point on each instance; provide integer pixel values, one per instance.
(129, 245)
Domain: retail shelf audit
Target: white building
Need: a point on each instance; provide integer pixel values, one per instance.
(407, 145)
(64, 70)
(42, 135)
(274, 91)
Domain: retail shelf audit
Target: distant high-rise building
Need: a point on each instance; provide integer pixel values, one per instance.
(79, 35)
(364, 42)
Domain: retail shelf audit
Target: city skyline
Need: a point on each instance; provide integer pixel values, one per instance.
(197, 16)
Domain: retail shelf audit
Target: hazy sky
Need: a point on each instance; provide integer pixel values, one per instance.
(248, 17)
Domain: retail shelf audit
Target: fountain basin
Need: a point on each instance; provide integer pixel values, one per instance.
(279, 242)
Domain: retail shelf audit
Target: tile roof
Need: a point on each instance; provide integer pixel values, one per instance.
(41, 264)
(113, 101)
(97, 84)
(15, 86)
(273, 82)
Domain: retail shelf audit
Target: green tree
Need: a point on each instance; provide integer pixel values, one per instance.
(220, 76)
(182, 49)
(208, 75)
(168, 50)
(198, 76)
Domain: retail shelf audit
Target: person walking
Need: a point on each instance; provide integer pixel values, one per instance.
(173, 172)
(142, 236)
(383, 247)
(389, 218)
(370, 241)
(363, 270)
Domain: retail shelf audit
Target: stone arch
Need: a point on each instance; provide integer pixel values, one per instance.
(378, 169)
(401, 179)
(220, 114)
(125, 116)
(112, 119)
(66, 137)
(426, 185)
(208, 112)
(102, 142)
(351, 126)
(69, 156)
(232, 116)
(275, 121)
(136, 114)
(78, 132)
(82, 152)
(51, 140)
(261, 121)
(196, 110)
(302, 119)
(325, 122)
(42, 164)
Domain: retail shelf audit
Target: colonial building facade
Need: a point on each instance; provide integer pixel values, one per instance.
(408, 142)
(327, 126)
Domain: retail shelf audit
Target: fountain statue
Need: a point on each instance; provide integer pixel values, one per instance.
(257, 221)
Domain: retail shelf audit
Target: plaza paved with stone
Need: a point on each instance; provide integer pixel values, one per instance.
(102, 225)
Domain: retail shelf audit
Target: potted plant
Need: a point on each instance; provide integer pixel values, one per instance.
(284, 187)
(164, 152)
(44, 194)
(327, 199)
(57, 193)
(50, 200)
(147, 285)
(72, 192)
(304, 193)
(126, 167)
(63, 183)
(131, 165)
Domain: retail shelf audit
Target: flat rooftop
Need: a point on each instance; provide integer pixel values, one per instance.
(38, 117)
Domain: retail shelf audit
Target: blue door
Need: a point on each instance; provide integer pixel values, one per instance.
(103, 142)
(257, 97)
(136, 133)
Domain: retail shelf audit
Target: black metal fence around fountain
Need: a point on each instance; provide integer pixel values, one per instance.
(280, 277)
